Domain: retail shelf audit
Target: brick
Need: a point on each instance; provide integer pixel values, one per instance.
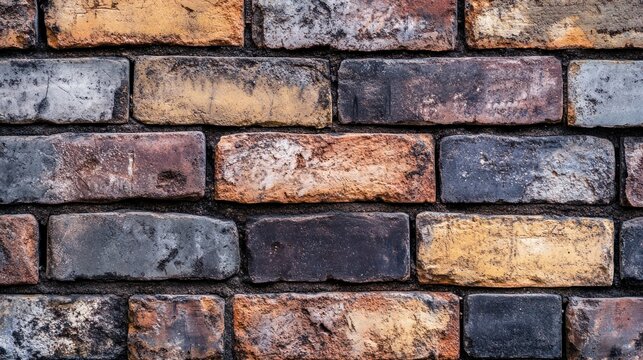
(376, 325)
(233, 91)
(176, 327)
(498, 91)
(513, 326)
(604, 328)
(82, 23)
(17, 23)
(553, 24)
(552, 169)
(359, 25)
(514, 251)
(62, 327)
(632, 250)
(305, 168)
(633, 174)
(101, 167)
(18, 250)
(378, 249)
(605, 93)
(141, 246)
(64, 91)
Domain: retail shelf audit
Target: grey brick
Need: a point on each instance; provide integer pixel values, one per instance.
(632, 250)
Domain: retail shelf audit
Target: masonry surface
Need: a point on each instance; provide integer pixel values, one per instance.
(321, 179)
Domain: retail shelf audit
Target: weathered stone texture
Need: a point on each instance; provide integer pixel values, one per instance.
(17, 23)
(553, 169)
(605, 328)
(233, 91)
(526, 326)
(554, 24)
(514, 251)
(605, 93)
(377, 325)
(82, 23)
(62, 327)
(176, 327)
(358, 247)
(63, 91)
(303, 168)
(498, 91)
(18, 249)
(361, 25)
(633, 161)
(632, 250)
(141, 246)
(101, 167)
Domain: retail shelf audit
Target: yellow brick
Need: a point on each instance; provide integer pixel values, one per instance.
(514, 251)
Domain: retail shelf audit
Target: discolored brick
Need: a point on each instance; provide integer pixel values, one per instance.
(18, 250)
(353, 247)
(64, 91)
(17, 23)
(633, 174)
(604, 328)
(62, 327)
(554, 24)
(82, 23)
(525, 326)
(489, 91)
(375, 325)
(176, 327)
(632, 250)
(141, 246)
(514, 251)
(101, 167)
(502, 169)
(605, 93)
(305, 168)
(233, 91)
(359, 25)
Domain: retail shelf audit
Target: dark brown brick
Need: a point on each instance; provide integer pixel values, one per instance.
(485, 91)
(633, 177)
(354, 247)
(17, 23)
(18, 250)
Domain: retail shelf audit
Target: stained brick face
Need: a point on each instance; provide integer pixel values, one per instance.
(633, 176)
(18, 249)
(17, 23)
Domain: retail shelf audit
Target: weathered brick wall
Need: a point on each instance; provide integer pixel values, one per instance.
(321, 179)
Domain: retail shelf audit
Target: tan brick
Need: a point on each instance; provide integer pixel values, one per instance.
(17, 23)
(554, 24)
(291, 168)
(514, 251)
(376, 325)
(18, 249)
(232, 91)
(82, 23)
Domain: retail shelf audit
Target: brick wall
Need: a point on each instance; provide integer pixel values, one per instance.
(321, 179)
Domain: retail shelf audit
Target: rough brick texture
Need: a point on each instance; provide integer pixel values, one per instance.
(81, 23)
(232, 91)
(377, 325)
(101, 167)
(63, 91)
(513, 326)
(498, 91)
(605, 93)
(17, 23)
(287, 168)
(604, 328)
(363, 25)
(62, 327)
(18, 249)
(514, 251)
(553, 169)
(176, 327)
(632, 250)
(141, 246)
(348, 247)
(552, 24)
(633, 176)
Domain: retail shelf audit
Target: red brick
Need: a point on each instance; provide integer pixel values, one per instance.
(17, 23)
(18, 249)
